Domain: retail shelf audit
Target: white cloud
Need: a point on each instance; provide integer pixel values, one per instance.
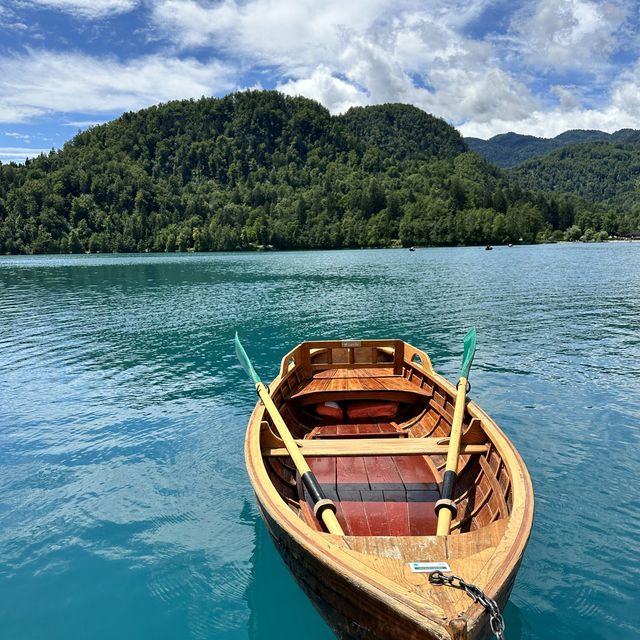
(18, 136)
(570, 97)
(621, 110)
(284, 33)
(473, 95)
(43, 81)
(88, 8)
(359, 52)
(548, 124)
(569, 34)
(351, 53)
(190, 24)
(83, 124)
(420, 62)
(9, 20)
(334, 93)
(625, 95)
(19, 154)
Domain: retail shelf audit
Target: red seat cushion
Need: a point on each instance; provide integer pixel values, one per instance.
(365, 409)
(330, 410)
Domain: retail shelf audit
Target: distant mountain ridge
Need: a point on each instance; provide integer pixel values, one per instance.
(510, 149)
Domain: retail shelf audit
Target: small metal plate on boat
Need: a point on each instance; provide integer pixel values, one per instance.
(351, 343)
(428, 567)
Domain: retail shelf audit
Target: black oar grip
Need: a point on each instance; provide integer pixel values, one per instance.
(320, 501)
(448, 484)
(312, 486)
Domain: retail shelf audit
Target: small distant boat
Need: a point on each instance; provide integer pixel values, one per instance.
(412, 248)
(488, 248)
(371, 472)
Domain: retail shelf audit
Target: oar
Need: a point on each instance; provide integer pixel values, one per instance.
(446, 507)
(323, 508)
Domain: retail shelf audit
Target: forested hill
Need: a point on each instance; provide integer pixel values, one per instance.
(511, 149)
(260, 168)
(403, 132)
(603, 172)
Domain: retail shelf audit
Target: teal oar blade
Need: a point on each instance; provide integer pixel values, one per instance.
(245, 362)
(324, 509)
(469, 352)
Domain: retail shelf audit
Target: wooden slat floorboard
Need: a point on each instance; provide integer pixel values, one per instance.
(383, 473)
(398, 515)
(376, 512)
(355, 518)
(357, 430)
(416, 474)
(378, 495)
(422, 518)
(351, 473)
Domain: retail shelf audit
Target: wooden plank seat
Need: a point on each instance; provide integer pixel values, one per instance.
(380, 495)
(365, 447)
(355, 384)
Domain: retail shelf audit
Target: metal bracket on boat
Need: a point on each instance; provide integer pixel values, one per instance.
(324, 503)
(468, 386)
(266, 389)
(443, 503)
(496, 621)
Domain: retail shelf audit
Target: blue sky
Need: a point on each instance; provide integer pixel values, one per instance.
(538, 67)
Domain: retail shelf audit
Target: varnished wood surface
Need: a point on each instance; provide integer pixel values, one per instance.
(354, 383)
(374, 447)
(362, 584)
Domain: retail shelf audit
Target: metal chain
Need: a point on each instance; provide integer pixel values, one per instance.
(496, 621)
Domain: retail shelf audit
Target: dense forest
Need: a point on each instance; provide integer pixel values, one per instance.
(601, 172)
(260, 169)
(511, 149)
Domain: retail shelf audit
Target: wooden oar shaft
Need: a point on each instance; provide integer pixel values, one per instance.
(445, 513)
(327, 515)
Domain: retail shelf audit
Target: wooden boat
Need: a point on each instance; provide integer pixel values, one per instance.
(372, 419)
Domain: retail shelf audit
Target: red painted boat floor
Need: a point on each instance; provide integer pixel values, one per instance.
(378, 495)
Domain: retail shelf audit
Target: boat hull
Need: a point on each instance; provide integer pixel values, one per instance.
(360, 582)
(351, 612)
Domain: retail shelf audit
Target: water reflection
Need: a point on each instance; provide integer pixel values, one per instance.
(278, 606)
(513, 620)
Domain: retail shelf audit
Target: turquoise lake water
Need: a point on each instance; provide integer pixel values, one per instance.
(125, 508)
